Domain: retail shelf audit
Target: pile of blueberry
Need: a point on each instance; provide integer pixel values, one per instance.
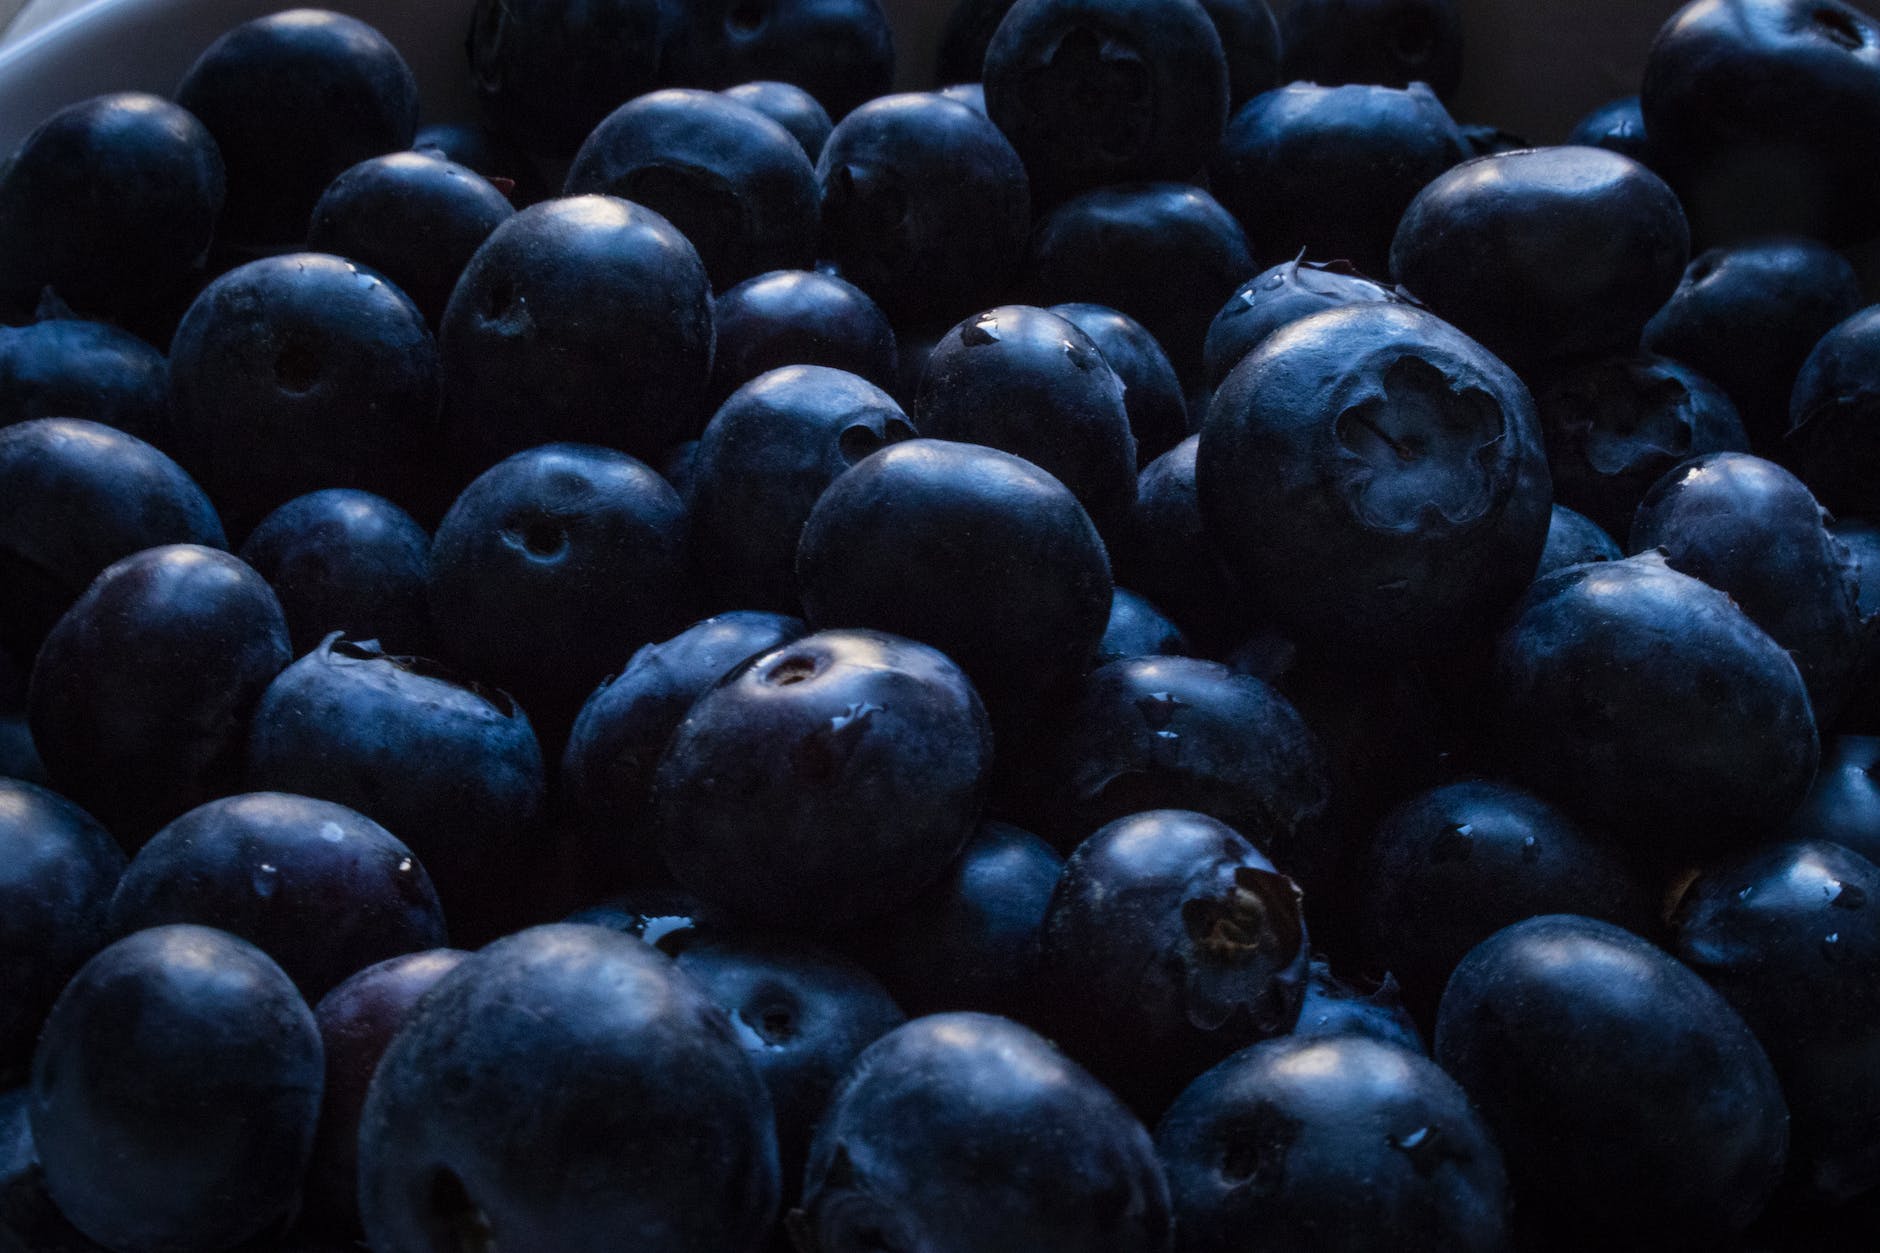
(1165, 649)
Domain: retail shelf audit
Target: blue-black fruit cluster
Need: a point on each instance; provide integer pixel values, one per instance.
(1162, 641)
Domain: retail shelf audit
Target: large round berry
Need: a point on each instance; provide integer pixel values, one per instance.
(552, 567)
(1319, 1144)
(292, 100)
(110, 204)
(738, 186)
(925, 206)
(1630, 1101)
(322, 889)
(302, 372)
(1647, 702)
(967, 1131)
(1170, 942)
(567, 1088)
(142, 694)
(1750, 105)
(828, 780)
(1094, 92)
(1544, 253)
(977, 552)
(587, 319)
(1376, 477)
(175, 1092)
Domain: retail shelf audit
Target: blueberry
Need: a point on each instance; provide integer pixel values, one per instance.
(1095, 92)
(803, 1014)
(1789, 935)
(1169, 942)
(323, 890)
(1453, 865)
(607, 770)
(546, 72)
(762, 464)
(1138, 629)
(1166, 551)
(477, 147)
(345, 560)
(70, 369)
(1544, 253)
(1273, 298)
(111, 203)
(141, 695)
(57, 871)
(552, 567)
(1646, 702)
(74, 497)
(1031, 383)
(449, 764)
(790, 107)
(1749, 104)
(977, 552)
(1831, 441)
(1393, 42)
(1166, 254)
(1629, 1100)
(1843, 807)
(1152, 395)
(825, 781)
(1615, 425)
(1318, 1145)
(175, 1091)
(967, 1131)
(1573, 539)
(1376, 478)
(1617, 126)
(1331, 169)
(293, 99)
(1748, 315)
(413, 217)
(1336, 1006)
(358, 1021)
(799, 317)
(566, 1088)
(971, 940)
(840, 51)
(1182, 733)
(586, 319)
(735, 183)
(302, 372)
(925, 206)
(1801, 586)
